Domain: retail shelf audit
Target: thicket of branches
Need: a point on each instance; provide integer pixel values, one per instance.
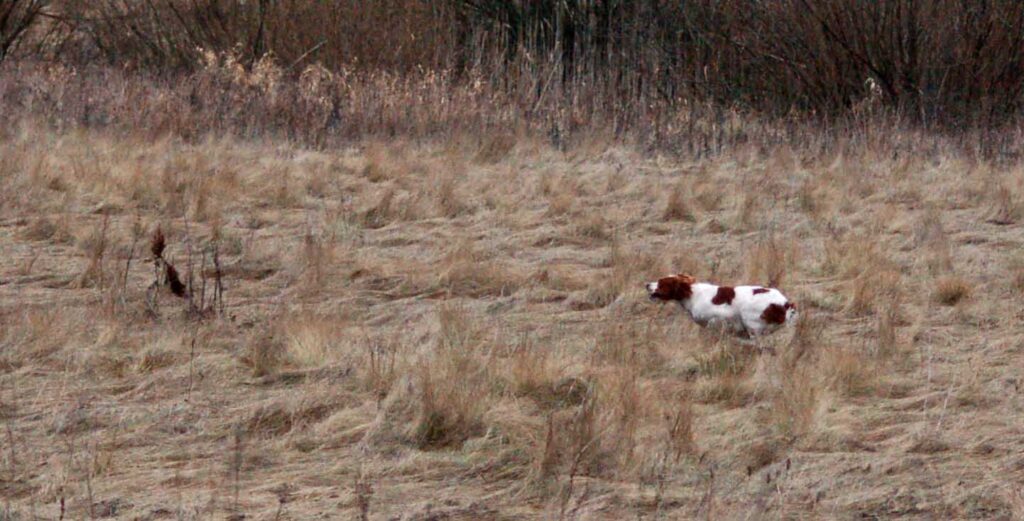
(936, 62)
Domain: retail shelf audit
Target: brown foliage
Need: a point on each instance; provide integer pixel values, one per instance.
(948, 62)
(158, 243)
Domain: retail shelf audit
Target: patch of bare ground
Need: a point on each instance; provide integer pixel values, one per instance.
(410, 331)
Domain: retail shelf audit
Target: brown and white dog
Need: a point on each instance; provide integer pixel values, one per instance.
(747, 311)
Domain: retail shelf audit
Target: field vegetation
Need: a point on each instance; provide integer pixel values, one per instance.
(385, 260)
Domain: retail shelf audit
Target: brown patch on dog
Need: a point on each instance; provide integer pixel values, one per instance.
(775, 313)
(676, 287)
(758, 291)
(724, 295)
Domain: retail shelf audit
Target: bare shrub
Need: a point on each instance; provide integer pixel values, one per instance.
(18, 17)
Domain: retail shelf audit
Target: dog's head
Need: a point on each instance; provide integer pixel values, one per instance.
(676, 287)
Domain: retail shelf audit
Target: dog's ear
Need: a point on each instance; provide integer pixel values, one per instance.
(675, 287)
(686, 278)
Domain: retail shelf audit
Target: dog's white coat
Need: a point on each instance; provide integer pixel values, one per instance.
(744, 315)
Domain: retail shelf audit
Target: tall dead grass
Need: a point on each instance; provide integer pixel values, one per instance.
(452, 381)
(509, 344)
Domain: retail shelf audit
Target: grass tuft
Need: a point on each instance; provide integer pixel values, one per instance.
(950, 290)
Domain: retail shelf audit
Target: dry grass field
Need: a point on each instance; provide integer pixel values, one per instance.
(419, 330)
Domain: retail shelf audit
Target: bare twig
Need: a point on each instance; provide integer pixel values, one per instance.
(364, 495)
(191, 366)
(236, 464)
(307, 53)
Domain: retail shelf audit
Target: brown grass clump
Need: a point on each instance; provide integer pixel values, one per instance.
(848, 370)
(315, 259)
(626, 268)
(869, 289)
(631, 345)
(592, 227)
(795, 403)
(768, 261)
(451, 384)
(279, 417)
(677, 207)
(724, 370)
(1008, 207)
(263, 352)
(560, 203)
(155, 358)
(849, 256)
(950, 290)
(45, 229)
(450, 203)
(1015, 269)
(888, 317)
(95, 244)
(383, 364)
(384, 211)
(531, 371)
(494, 147)
(929, 234)
(310, 341)
(466, 272)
